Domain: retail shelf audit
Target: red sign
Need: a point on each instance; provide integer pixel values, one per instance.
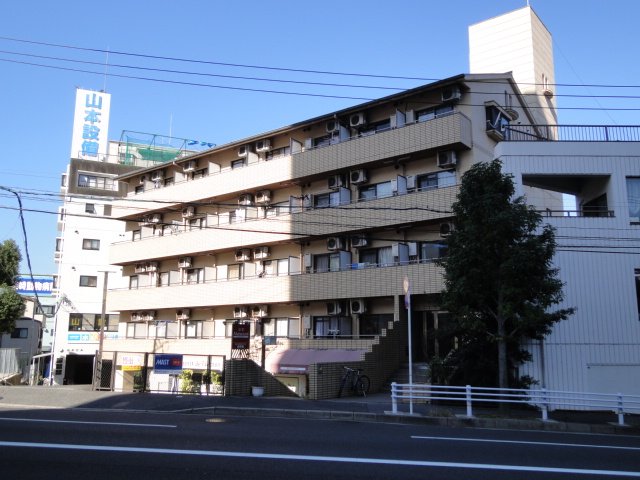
(240, 336)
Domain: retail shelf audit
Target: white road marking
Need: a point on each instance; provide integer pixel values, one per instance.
(314, 458)
(520, 442)
(119, 424)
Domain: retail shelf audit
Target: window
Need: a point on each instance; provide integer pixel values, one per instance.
(195, 275)
(133, 282)
(326, 263)
(432, 250)
(281, 327)
(378, 190)
(374, 324)
(238, 163)
(137, 330)
(20, 333)
(283, 267)
(48, 310)
(88, 281)
(89, 208)
(332, 326)
(496, 118)
(381, 257)
(169, 181)
(196, 223)
(341, 196)
(200, 173)
(633, 198)
(107, 211)
(58, 244)
(376, 127)
(94, 181)
(136, 235)
(433, 112)
(442, 179)
(90, 244)
(90, 322)
(278, 152)
(139, 189)
(322, 141)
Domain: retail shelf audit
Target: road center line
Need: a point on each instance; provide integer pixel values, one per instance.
(520, 442)
(119, 424)
(314, 458)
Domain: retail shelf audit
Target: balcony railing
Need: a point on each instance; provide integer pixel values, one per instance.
(572, 133)
(601, 212)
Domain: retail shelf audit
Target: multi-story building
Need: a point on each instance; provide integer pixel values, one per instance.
(86, 228)
(307, 234)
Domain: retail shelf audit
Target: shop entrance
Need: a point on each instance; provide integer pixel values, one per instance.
(78, 369)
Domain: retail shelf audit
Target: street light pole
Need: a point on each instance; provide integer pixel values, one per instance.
(97, 381)
(407, 303)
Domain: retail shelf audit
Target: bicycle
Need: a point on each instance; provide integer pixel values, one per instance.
(358, 382)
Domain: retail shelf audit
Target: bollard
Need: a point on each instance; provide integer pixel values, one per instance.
(468, 396)
(620, 410)
(545, 405)
(394, 400)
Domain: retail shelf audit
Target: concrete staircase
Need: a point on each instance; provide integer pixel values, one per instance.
(420, 374)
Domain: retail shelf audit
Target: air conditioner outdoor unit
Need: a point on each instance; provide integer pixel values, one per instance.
(357, 305)
(259, 311)
(245, 199)
(240, 312)
(185, 262)
(140, 268)
(357, 119)
(243, 255)
(243, 151)
(183, 314)
(358, 176)
(189, 211)
(335, 243)
(157, 176)
(447, 158)
(155, 218)
(263, 145)
(152, 266)
(332, 126)
(189, 166)
(359, 241)
(149, 315)
(446, 228)
(143, 179)
(260, 253)
(335, 181)
(334, 308)
(452, 93)
(263, 196)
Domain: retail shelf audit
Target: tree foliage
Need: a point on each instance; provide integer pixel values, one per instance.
(10, 258)
(11, 304)
(500, 285)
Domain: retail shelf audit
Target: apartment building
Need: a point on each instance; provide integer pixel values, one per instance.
(305, 234)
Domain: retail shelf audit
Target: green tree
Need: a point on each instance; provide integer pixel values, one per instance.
(10, 258)
(11, 304)
(500, 285)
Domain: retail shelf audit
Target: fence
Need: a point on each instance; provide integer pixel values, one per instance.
(9, 362)
(572, 133)
(542, 399)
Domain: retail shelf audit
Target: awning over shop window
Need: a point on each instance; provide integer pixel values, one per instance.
(297, 361)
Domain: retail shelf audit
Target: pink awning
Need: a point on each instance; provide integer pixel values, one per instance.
(296, 361)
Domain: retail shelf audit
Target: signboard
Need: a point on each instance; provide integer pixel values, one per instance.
(240, 333)
(89, 337)
(39, 285)
(131, 360)
(167, 363)
(90, 125)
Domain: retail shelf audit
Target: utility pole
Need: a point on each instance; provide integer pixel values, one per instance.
(97, 381)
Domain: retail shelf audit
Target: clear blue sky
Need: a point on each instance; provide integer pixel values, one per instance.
(595, 43)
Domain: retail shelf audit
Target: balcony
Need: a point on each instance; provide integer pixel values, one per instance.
(425, 278)
(416, 207)
(572, 133)
(451, 131)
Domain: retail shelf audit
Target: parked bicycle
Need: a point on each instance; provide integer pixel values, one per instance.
(357, 381)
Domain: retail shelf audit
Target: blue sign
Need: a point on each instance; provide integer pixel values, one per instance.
(167, 363)
(41, 285)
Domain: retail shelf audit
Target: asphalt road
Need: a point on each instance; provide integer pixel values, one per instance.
(86, 444)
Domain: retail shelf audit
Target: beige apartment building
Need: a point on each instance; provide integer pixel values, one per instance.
(306, 233)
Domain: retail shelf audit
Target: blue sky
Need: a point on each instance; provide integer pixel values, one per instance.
(595, 43)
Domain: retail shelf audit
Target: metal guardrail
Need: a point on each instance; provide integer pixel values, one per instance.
(572, 133)
(542, 399)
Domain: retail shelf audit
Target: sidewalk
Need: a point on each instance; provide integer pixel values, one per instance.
(373, 408)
